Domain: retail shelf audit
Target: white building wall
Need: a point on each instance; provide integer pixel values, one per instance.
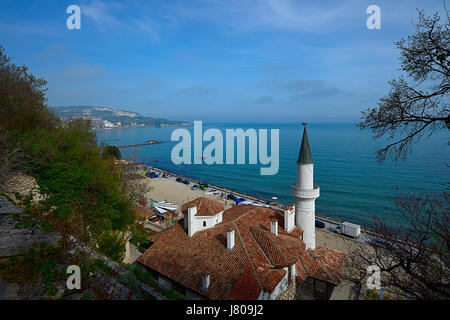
(281, 287)
(198, 223)
(289, 219)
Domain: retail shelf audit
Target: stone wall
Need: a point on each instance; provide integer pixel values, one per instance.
(24, 185)
(289, 293)
(16, 240)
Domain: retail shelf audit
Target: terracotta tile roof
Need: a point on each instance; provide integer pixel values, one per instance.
(255, 264)
(331, 261)
(205, 206)
(246, 287)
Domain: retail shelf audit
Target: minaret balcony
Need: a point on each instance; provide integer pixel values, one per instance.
(305, 193)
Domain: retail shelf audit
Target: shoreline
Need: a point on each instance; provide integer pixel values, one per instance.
(329, 220)
(129, 127)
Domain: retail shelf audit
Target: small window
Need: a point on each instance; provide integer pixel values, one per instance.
(204, 223)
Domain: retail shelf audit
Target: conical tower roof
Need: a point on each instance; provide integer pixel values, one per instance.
(304, 156)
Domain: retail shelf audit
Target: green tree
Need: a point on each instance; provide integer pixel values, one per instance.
(112, 244)
(111, 151)
(84, 192)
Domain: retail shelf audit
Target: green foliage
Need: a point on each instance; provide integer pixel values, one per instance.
(78, 181)
(111, 152)
(112, 244)
(142, 276)
(8, 197)
(131, 282)
(100, 265)
(22, 98)
(25, 222)
(87, 296)
(84, 192)
(140, 235)
(171, 294)
(371, 295)
(38, 263)
(148, 279)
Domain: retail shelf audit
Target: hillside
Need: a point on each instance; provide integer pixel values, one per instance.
(103, 117)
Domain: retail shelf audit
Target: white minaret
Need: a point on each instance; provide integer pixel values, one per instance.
(305, 193)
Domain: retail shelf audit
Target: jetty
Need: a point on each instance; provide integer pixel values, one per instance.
(140, 144)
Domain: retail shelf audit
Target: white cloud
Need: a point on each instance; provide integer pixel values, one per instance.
(110, 16)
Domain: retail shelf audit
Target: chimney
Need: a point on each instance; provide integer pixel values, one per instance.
(190, 223)
(274, 227)
(205, 282)
(289, 218)
(230, 240)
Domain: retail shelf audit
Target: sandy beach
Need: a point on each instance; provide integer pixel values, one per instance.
(167, 189)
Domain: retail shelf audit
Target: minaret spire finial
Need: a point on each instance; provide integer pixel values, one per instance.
(304, 156)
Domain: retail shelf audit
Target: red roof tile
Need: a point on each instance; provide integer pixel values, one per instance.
(205, 206)
(255, 263)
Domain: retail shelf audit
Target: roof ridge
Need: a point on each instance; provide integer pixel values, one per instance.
(323, 267)
(303, 266)
(262, 250)
(248, 257)
(240, 216)
(264, 232)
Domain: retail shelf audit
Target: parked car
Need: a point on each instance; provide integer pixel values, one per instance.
(320, 224)
(151, 174)
(179, 179)
(194, 187)
(186, 182)
(231, 197)
(349, 229)
(202, 187)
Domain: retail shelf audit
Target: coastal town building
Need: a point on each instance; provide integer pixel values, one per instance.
(247, 251)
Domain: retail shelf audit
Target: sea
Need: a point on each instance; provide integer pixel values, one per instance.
(353, 185)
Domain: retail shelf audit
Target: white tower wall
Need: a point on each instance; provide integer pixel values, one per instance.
(306, 193)
(305, 219)
(305, 176)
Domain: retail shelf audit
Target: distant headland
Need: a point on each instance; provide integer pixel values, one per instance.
(104, 117)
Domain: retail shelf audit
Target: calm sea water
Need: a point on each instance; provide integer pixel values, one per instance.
(352, 182)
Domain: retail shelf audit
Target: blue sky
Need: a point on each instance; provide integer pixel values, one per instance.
(218, 61)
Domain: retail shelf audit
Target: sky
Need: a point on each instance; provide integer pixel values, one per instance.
(278, 61)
